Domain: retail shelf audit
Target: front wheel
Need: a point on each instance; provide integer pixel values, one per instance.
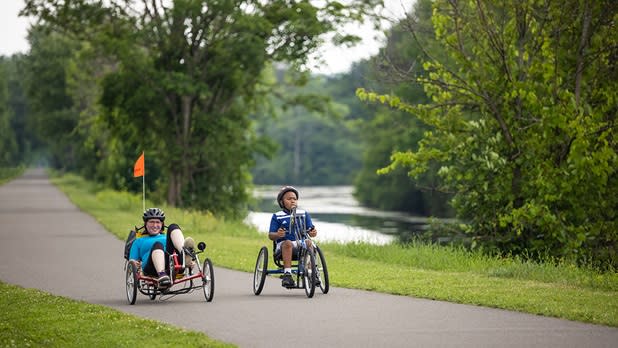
(309, 273)
(321, 270)
(259, 274)
(208, 280)
(131, 278)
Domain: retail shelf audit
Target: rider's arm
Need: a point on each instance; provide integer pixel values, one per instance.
(275, 231)
(313, 231)
(279, 233)
(310, 227)
(134, 252)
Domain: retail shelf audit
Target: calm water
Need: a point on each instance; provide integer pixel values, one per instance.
(338, 216)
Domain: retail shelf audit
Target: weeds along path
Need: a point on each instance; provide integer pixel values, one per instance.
(49, 244)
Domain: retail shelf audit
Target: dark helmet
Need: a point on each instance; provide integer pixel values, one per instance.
(154, 213)
(283, 191)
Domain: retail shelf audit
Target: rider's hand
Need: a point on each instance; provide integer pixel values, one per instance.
(313, 232)
(281, 232)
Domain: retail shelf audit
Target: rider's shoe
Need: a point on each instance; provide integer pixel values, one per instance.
(164, 281)
(190, 246)
(189, 243)
(287, 281)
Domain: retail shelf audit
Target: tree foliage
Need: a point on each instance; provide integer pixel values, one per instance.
(395, 70)
(8, 143)
(522, 117)
(186, 77)
(51, 117)
(311, 142)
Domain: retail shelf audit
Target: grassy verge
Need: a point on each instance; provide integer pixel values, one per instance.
(441, 273)
(31, 318)
(7, 174)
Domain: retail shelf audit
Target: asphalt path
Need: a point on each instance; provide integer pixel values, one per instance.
(47, 243)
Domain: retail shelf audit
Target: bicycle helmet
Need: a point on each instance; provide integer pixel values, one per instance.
(283, 191)
(154, 213)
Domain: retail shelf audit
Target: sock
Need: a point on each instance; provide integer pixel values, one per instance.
(161, 274)
(287, 270)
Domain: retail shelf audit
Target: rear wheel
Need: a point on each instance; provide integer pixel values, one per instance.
(208, 280)
(322, 270)
(259, 275)
(309, 273)
(131, 278)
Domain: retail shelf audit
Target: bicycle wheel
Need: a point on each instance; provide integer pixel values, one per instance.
(208, 280)
(322, 270)
(309, 273)
(259, 275)
(131, 278)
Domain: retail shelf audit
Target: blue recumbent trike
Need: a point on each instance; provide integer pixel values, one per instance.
(308, 264)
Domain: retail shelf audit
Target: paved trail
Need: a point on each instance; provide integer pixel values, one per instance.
(77, 258)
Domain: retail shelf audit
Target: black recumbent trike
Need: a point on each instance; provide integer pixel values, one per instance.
(184, 279)
(308, 264)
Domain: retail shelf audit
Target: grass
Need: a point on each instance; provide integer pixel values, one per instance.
(426, 271)
(32, 318)
(7, 174)
(419, 270)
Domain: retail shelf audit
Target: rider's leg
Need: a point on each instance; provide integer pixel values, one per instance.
(158, 260)
(157, 257)
(174, 234)
(177, 240)
(286, 254)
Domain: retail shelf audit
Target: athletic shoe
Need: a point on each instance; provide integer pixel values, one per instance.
(189, 243)
(287, 281)
(164, 281)
(190, 247)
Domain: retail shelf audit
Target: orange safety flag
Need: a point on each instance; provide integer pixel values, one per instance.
(138, 168)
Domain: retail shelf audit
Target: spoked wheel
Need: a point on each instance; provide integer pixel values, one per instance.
(208, 280)
(322, 270)
(259, 275)
(309, 273)
(131, 277)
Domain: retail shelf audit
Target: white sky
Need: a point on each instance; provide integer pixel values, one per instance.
(13, 32)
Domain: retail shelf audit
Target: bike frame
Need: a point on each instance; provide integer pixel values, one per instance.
(148, 285)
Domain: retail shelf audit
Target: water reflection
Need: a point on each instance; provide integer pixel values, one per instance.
(328, 231)
(339, 217)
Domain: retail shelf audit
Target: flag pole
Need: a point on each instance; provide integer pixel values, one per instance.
(144, 186)
(139, 169)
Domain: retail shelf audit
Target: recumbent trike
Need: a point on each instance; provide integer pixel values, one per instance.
(308, 266)
(183, 279)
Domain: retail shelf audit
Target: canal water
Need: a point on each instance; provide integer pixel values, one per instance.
(338, 216)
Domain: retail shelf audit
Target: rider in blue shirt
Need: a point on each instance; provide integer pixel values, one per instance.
(279, 231)
(150, 250)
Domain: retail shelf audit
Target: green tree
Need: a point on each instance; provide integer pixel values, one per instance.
(311, 143)
(522, 122)
(51, 116)
(395, 70)
(8, 145)
(28, 144)
(187, 79)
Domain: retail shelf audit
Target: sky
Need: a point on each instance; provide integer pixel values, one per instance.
(14, 29)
